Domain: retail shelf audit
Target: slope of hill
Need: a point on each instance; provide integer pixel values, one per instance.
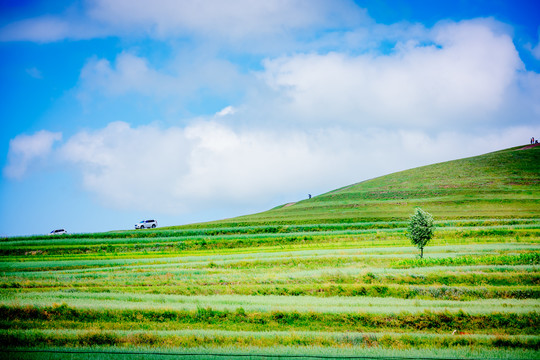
(502, 184)
(334, 275)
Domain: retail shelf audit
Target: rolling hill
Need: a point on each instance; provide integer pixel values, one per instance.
(334, 275)
(503, 184)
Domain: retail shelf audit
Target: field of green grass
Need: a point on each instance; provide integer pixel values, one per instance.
(332, 276)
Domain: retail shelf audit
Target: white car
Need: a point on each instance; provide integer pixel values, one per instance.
(145, 224)
(58, 232)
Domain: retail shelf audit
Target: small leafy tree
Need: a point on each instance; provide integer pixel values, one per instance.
(420, 229)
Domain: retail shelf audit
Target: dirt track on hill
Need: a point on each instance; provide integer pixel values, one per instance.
(529, 146)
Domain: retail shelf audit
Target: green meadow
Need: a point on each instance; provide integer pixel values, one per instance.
(330, 276)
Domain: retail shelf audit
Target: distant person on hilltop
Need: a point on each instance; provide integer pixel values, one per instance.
(532, 140)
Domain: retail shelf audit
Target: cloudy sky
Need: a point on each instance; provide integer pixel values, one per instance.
(114, 111)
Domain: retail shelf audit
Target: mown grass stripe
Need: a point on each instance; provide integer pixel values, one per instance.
(223, 355)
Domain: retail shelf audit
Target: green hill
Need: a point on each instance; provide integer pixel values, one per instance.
(335, 275)
(503, 184)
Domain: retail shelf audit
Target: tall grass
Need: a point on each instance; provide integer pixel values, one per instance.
(532, 258)
(266, 303)
(501, 322)
(191, 339)
(242, 351)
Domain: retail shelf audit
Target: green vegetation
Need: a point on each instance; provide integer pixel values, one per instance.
(420, 229)
(334, 275)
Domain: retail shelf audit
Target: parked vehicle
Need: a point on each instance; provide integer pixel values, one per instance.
(146, 224)
(58, 232)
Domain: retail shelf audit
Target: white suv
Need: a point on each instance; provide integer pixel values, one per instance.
(58, 232)
(146, 224)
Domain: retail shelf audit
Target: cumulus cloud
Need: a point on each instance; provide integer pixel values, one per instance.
(458, 74)
(25, 150)
(128, 167)
(176, 169)
(209, 165)
(182, 79)
(463, 74)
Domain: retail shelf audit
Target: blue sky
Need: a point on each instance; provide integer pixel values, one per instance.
(184, 111)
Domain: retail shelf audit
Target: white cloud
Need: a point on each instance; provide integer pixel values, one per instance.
(175, 169)
(53, 28)
(43, 29)
(129, 74)
(24, 150)
(460, 74)
(233, 19)
(181, 79)
(129, 167)
(211, 166)
(463, 75)
(229, 110)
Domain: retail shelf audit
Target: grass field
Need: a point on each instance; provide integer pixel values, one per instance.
(332, 276)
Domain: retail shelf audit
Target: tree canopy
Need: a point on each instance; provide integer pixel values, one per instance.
(420, 230)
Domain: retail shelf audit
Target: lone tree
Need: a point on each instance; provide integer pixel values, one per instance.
(420, 229)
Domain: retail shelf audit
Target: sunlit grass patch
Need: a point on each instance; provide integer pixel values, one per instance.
(266, 303)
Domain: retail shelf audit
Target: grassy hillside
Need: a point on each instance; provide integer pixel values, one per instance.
(502, 184)
(334, 276)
